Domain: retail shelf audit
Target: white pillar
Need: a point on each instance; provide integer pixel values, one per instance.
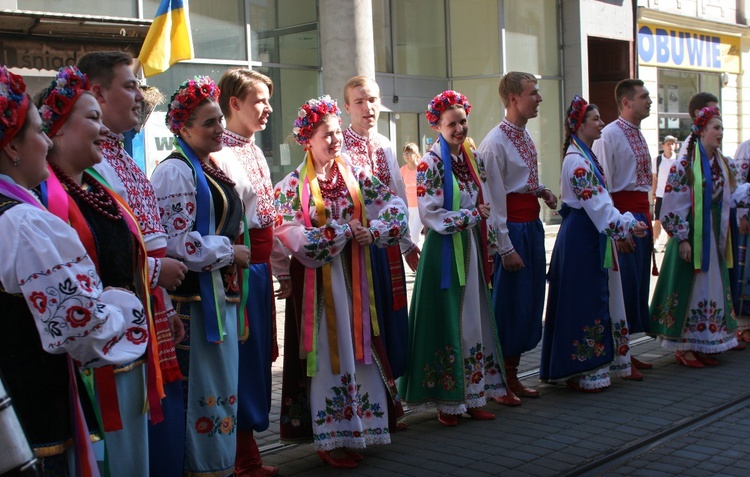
(346, 44)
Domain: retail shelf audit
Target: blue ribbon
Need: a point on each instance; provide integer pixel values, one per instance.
(211, 284)
(708, 193)
(447, 251)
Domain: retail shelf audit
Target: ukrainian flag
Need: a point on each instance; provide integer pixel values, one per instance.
(168, 40)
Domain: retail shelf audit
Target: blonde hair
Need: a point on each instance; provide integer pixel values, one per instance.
(512, 83)
(410, 147)
(357, 81)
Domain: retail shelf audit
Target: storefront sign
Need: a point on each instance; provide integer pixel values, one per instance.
(687, 49)
(50, 56)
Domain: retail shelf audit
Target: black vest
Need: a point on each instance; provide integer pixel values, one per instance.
(36, 380)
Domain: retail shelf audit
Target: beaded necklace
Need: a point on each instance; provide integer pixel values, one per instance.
(461, 170)
(335, 187)
(95, 195)
(216, 173)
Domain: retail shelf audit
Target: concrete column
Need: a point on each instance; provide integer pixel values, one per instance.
(346, 45)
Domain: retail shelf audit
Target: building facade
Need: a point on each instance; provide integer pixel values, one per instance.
(415, 49)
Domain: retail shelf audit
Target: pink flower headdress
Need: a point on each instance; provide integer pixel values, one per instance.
(60, 97)
(310, 114)
(442, 102)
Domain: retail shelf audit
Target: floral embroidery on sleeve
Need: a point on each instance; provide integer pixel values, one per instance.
(619, 230)
(430, 180)
(585, 184)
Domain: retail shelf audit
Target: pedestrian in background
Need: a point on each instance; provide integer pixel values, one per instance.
(409, 174)
(661, 165)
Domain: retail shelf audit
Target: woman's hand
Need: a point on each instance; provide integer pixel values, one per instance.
(686, 251)
(484, 210)
(640, 229)
(241, 256)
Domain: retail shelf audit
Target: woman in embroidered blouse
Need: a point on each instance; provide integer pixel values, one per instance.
(454, 359)
(51, 296)
(202, 213)
(329, 213)
(71, 117)
(585, 308)
(692, 309)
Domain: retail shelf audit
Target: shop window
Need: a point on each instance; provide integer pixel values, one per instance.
(673, 92)
(473, 23)
(419, 33)
(381, 29)
(118, 8)
(531, 37)
(284, 32)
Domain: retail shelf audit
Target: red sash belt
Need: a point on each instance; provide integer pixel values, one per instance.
(522, 207)
(632, 201)
(261, 244)
(396, 266)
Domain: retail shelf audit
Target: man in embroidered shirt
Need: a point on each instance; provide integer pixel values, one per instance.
(510, 161)
(625, 158)
(372, 151)
(245, 101)
(117, 91)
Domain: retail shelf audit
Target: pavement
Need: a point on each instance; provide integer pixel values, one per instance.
(677, 421)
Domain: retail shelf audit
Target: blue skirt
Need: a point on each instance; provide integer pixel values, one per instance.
(578, 330)
(635, 270)
(255, 353)
(518, 297)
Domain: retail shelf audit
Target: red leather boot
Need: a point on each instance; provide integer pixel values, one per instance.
(248, 463)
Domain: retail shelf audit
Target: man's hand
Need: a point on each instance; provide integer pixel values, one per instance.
(744, 226)
(550, 199)
(412, 258)
(172, 273)
(512, 262)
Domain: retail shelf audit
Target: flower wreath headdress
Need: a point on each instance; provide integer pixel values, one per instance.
(60, 97)
(310, 114)
(576, 113)
(702, 118)
(188, 96)
(14, 104)
(442, 102)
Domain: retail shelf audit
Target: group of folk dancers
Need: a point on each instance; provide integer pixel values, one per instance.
(156, 295)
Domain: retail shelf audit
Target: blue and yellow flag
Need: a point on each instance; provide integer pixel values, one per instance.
(168, 40)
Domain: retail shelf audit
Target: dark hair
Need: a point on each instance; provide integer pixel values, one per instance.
(700, 101)
(568, 132)
(237, 82)
(626, 89)
(689, 158)
(99, 66)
